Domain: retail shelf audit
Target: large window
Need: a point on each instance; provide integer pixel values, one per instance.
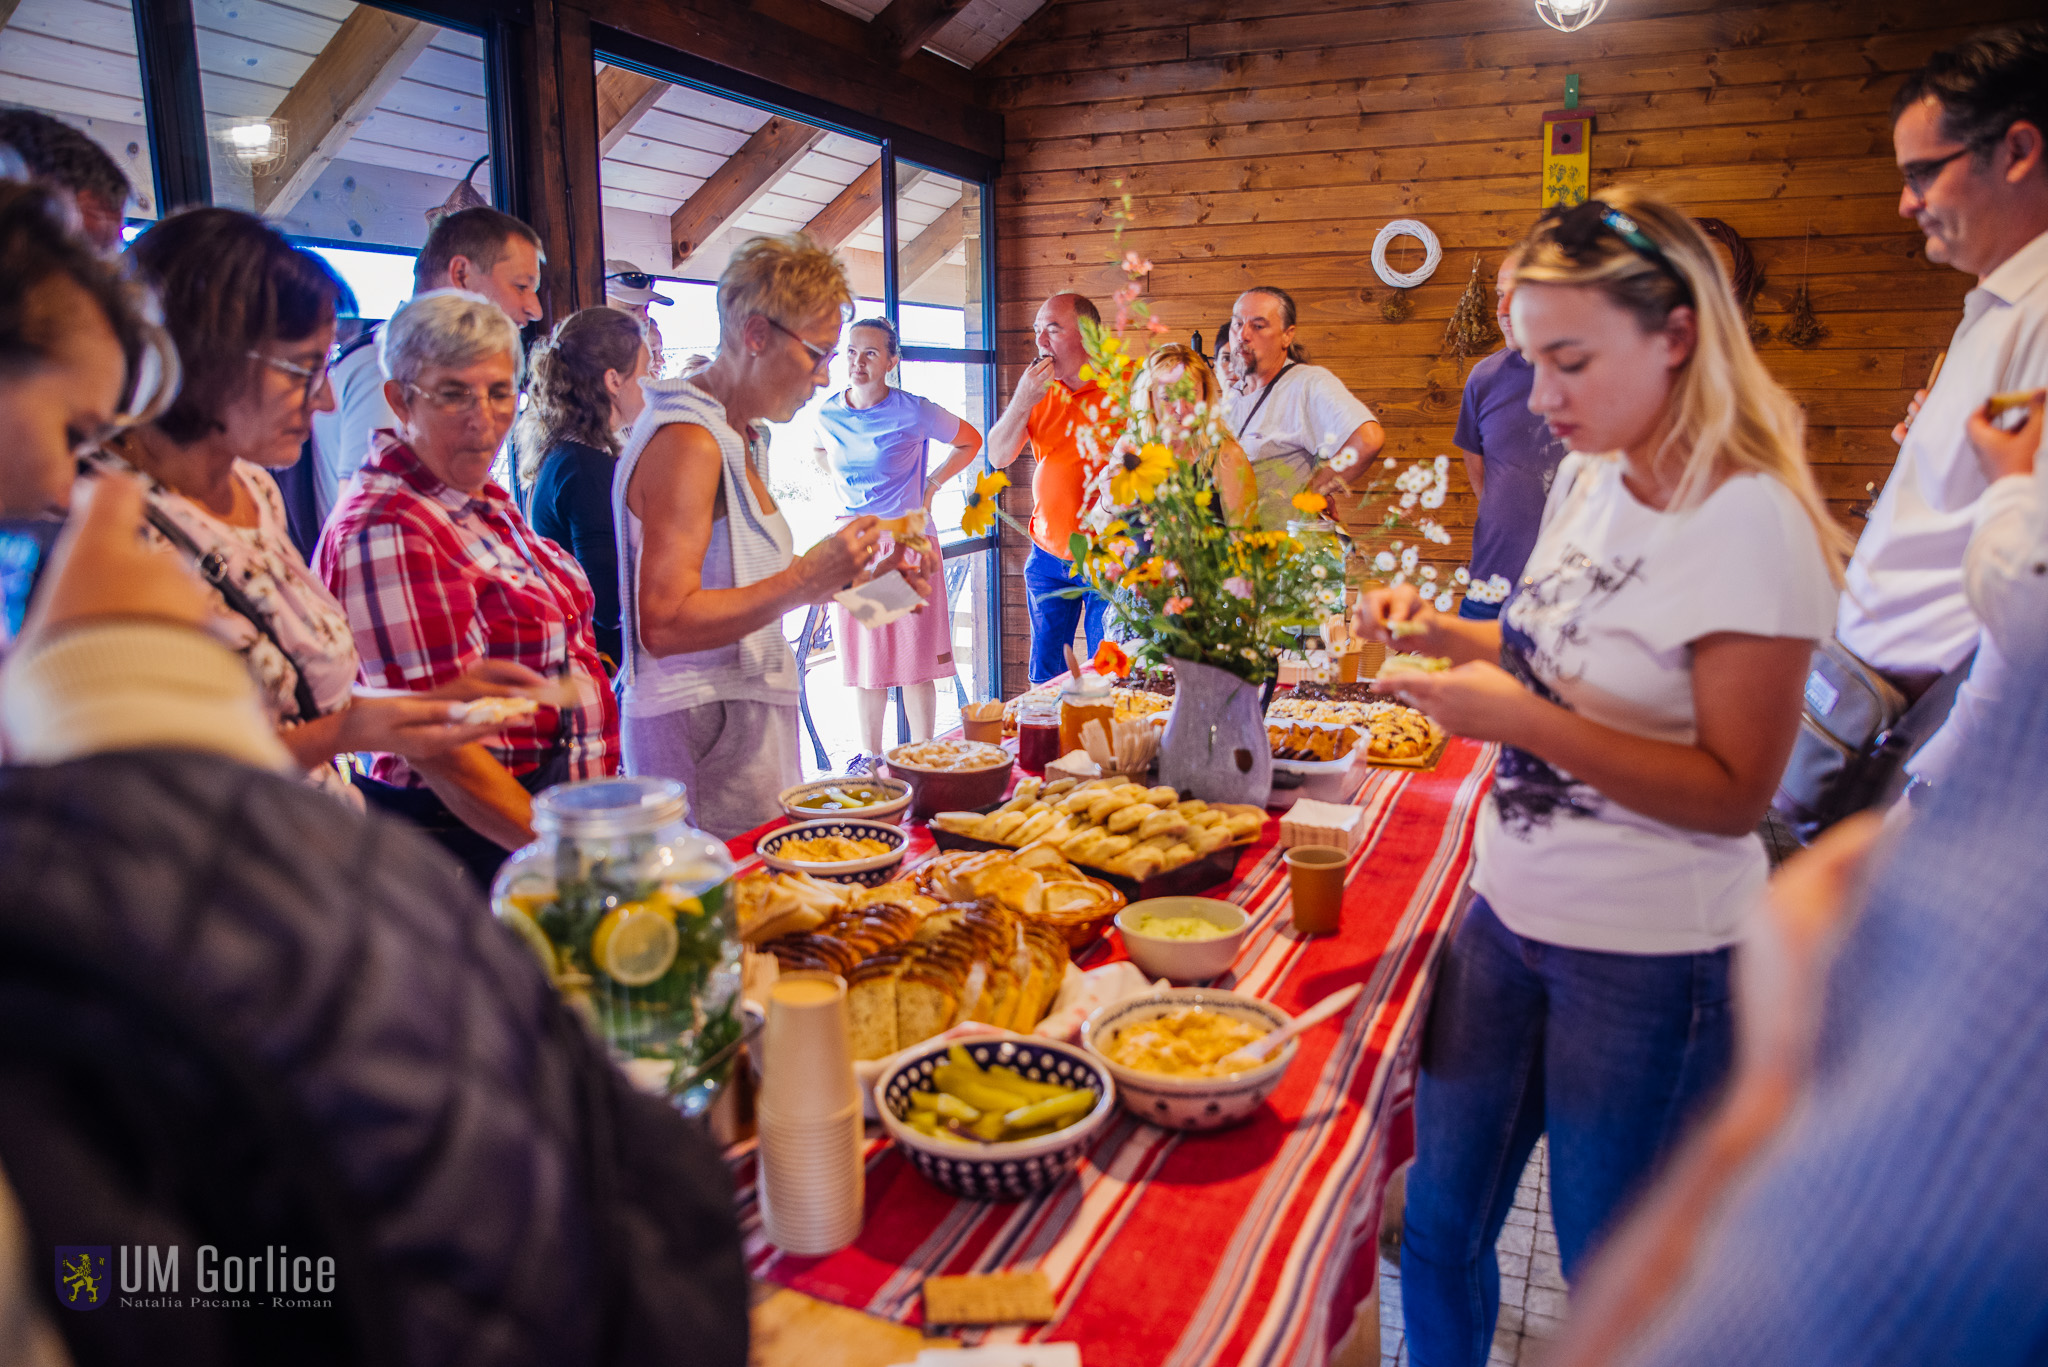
(76, 59)
(347, 124)
(688, 173)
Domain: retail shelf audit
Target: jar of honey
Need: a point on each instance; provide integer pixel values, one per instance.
(1087, 697)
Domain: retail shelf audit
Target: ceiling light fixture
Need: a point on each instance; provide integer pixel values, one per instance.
(1569, 16)
(258, 146)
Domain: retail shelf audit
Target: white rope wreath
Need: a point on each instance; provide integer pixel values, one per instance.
(1406, 227)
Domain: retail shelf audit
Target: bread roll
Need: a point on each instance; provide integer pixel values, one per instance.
(1126, 819)
(1168, 822)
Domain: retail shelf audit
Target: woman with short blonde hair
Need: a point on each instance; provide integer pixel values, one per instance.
(709, 566)
(1644, 683)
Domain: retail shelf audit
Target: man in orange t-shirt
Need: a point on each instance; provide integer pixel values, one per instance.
(1050, 405)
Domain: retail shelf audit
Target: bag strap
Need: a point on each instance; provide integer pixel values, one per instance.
(213, 567)
(1267, 393)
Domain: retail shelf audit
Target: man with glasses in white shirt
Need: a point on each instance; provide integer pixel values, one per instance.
(1968, 133)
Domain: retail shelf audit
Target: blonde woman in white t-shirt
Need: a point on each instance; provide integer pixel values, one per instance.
(1644, 684)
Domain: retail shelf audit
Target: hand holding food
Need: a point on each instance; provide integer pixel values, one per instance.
(838, 560)
(1400, 612)
(2006, 451)
(1477, 699)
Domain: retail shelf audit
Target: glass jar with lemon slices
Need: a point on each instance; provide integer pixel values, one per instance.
(627, 908)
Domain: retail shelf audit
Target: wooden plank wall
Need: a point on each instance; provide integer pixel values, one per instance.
(1269, 140)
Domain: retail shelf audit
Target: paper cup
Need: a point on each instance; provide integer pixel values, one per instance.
(990, 731)
(1315, 881)
(811, 1182)
(806, 1057)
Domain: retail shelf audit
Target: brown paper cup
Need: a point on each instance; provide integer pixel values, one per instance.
(990, 731)
(806, 1056)
(1315, 881)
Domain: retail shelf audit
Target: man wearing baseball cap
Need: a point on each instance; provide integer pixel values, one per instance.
(631, 290)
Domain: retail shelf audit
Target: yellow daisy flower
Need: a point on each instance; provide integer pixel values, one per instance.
(1310, 502)
(980, 514)
(1140, 473)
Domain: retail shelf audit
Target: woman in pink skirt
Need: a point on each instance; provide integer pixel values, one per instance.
(872, 439)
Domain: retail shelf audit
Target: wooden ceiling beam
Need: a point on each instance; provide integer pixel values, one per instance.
(739, 184)
(931, 247)
(816, 50)
(903, 27)
(858, 204)
(341, 89)
(622, 97)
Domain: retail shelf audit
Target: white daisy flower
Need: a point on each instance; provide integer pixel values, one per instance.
(1383, 562)
(1443, 602)
(1408, 559)
(1461, 576)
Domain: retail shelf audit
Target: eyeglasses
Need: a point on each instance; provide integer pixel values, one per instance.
(1577, 228)
(820, 360)
(1918, 175)
(460, 398)
(633, 280)
(314, 377)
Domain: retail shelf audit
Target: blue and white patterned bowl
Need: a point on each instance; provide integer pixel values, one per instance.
(1190, 1103)
(996, 1172)
(871, 871)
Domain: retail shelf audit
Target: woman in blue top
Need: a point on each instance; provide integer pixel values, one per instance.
(585, 391)
(871, 439)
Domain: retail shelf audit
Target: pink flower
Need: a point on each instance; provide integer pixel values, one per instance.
(1135, 264)
(1176, 606)
(1156, 327)
(1173, 569)
(1127, 293)
(1238, 586)
(1123, 318)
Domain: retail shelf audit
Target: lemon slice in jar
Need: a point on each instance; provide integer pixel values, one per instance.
(635, 946)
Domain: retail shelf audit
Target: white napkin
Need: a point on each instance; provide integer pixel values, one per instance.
(880, 601)
(1083, 994)
(1001, 1355)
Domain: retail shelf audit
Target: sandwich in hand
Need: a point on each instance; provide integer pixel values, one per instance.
(909, 530)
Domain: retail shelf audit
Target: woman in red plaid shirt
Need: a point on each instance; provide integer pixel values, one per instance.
(439, 572)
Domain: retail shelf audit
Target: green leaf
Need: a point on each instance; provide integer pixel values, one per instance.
(1077, 546)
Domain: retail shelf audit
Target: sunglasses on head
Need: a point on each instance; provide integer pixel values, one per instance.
(634, 280)
(1577, 230)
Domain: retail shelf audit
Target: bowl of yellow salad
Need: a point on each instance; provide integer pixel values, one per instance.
(840, 851)
(1166, 1050)
(1183, 939)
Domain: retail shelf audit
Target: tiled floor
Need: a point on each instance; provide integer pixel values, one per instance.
(1531, 1284)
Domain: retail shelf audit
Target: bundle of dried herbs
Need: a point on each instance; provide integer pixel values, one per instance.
(1472, 331)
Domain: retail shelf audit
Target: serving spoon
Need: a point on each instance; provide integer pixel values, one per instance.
(1244, 1057)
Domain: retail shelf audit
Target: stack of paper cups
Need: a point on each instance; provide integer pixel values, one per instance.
(809, 1118)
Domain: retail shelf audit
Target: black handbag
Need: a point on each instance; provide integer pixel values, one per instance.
(1856, 732)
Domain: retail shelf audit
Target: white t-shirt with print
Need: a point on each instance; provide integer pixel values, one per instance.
(1603, 620)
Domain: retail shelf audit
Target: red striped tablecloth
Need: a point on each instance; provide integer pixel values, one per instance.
(1249, 1245)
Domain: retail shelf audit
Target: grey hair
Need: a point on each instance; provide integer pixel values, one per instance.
(452, 328)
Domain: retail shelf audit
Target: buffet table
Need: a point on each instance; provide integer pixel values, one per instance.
(1245, 1245)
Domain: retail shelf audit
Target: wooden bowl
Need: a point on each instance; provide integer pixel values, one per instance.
(952, 790)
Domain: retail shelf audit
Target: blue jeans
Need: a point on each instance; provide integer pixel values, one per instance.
(1053, 618)
(1609, 1053)
(1472, 610)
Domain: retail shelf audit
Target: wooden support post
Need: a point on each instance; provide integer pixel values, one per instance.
(739, 184)
(323, 109)
(622, 97)
(554, 66)
(903, 27)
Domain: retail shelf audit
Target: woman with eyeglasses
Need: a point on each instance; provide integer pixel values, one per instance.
(1644, 683)
(710, 683)
(872, 441)
(584, 395)
(253, 320)
(441, 576)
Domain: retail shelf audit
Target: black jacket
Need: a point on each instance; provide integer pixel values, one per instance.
(235, 1014)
